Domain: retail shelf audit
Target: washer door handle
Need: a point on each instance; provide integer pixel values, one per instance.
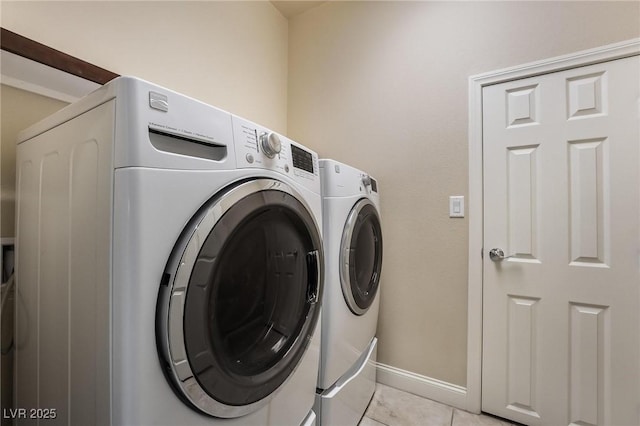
(313, 276)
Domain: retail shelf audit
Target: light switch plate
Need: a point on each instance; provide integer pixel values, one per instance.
(456, 206)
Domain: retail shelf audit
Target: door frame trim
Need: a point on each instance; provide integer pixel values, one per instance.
(475, 278)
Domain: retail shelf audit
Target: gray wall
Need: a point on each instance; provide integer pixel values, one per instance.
(384, 86)
(229, 54)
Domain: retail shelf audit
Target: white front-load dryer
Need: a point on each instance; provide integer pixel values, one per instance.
(169, 265)
(353, 263)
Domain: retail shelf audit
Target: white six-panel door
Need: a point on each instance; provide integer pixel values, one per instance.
(561, 317)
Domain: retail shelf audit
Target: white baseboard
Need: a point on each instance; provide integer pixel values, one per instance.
(434, 389)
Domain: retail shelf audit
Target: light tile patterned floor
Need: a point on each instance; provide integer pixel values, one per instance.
(393, 407)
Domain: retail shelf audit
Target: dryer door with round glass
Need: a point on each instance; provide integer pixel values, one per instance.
(361, 256)
(239, 302)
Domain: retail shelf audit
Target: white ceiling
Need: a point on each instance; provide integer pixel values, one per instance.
(289, 9)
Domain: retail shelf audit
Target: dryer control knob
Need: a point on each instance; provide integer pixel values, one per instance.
(270, 143)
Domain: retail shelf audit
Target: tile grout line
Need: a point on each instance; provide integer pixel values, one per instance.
(375, 420)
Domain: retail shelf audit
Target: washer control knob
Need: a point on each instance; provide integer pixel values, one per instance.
(270, 143)
(366, 180)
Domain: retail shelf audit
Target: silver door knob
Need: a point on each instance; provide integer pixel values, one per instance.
(497, 254)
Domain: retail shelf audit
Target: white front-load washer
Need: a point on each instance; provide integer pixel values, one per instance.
(169, 265)
(353, 263)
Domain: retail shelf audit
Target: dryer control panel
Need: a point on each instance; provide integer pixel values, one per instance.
(259, 147)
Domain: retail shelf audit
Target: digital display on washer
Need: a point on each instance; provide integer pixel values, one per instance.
(302, 159)
(374, 185)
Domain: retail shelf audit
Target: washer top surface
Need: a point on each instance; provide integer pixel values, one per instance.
(159, 128)
(342, 180)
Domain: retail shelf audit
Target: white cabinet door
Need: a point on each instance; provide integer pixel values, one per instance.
(561, 315)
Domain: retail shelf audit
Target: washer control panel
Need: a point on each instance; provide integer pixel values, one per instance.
(303, 159)
(259, 147)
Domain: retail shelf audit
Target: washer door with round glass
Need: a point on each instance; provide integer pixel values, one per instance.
(239, 300)
(361, 256)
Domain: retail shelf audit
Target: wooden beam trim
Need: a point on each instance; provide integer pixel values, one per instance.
(30, 49)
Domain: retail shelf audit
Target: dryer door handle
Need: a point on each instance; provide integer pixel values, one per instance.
(313, 276)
